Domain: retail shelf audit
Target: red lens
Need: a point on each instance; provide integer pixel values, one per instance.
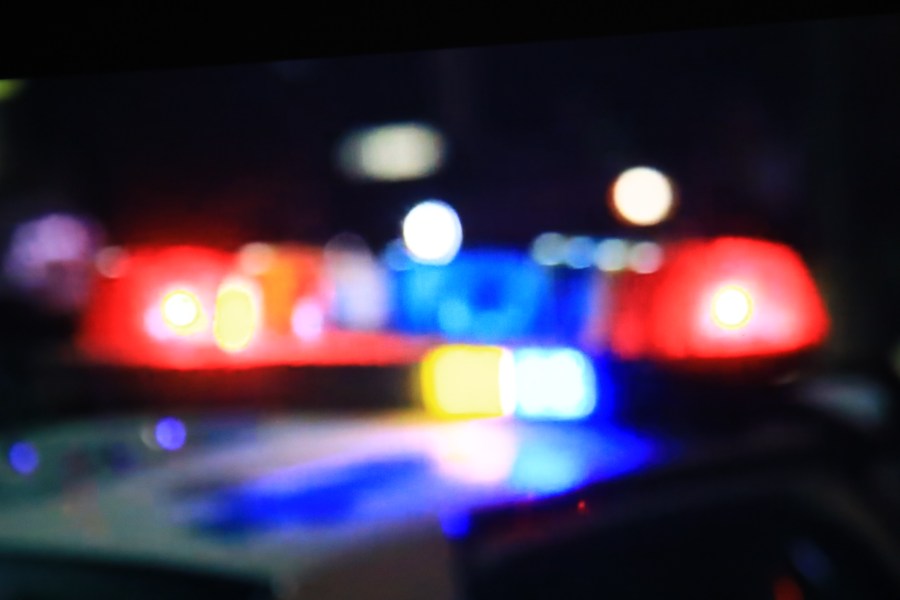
(157, 306)
(720, 298)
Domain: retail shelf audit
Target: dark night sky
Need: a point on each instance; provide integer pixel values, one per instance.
(562, 116)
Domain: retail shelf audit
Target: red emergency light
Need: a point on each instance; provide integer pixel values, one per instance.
(190, 307)
(724, 298)
(155, 297)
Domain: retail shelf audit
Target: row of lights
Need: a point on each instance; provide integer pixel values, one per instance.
(432, 234)
(609, 255)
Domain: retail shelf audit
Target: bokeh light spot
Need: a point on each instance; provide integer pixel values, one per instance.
(170, 434)
(642, 196)
(24, 458)
(237, 316)
(549, 249)
(611, 255)
(181, 311)
(465, 381)
(732, 307)
(307, 320)
(580, 252)
(395, 152)
(432, 232)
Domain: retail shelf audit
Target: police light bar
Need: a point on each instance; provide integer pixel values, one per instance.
(724, 298)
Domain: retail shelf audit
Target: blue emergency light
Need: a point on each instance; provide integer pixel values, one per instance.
(483, 296)
(493, 296)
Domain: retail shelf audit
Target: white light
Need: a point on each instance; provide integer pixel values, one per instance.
(181, 309)
(549, 249)
(179, 314)
(611, 255)
(394, 152)
(551, 384)
(580, 252)
(642, 196)
(731, 307)
(432, 232)
(645, 257)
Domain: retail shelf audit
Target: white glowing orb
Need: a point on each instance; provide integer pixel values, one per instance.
(643, 196)
(732, 307)
(549, 249)
(432, 232)
(611, 255)
(395, 152)
(180, 309)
